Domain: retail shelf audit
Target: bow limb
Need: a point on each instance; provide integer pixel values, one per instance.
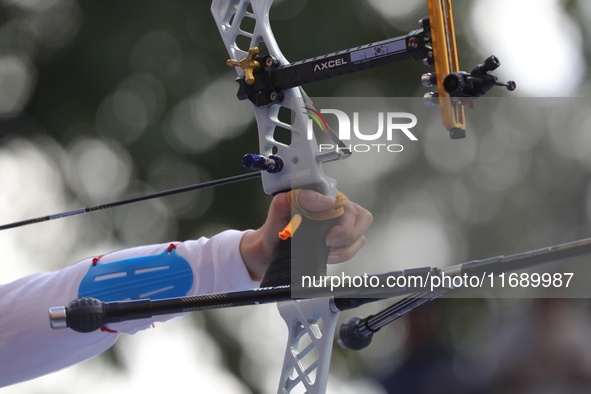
(311, 323)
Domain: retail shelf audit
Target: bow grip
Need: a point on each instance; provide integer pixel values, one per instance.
(304, 254)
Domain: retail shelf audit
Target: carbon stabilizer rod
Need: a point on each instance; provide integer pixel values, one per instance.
(89, 314)
(357, 333)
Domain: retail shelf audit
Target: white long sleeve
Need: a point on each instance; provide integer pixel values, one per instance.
(30, 348)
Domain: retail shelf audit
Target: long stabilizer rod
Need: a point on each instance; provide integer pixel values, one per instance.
(88, 314)
(357, 333)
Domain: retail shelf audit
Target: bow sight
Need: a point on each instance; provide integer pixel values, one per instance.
(265, 80)
(477, 83)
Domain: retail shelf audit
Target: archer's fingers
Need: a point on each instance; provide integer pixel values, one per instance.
(351, 227)
(279, 210)
(344, 253)
(314, 201)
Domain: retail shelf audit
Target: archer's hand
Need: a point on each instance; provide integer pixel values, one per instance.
(344, 239)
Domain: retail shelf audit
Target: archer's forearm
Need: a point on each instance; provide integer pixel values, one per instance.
(30, 348)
